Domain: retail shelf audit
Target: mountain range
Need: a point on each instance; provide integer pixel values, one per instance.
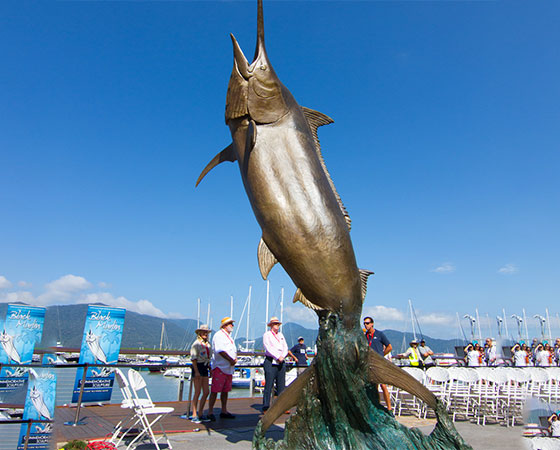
(64, 324)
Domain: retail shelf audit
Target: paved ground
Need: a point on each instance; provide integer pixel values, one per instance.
(489, 437)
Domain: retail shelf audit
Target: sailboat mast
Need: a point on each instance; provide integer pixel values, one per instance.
(198, 314)
(549, 330)
(412, 318)
(267, 294)
(526, 329)
(478, 322)
(505, 323)
(248, 318)
(208, 314)
(231, 308)
(161, 337)
(282, 307)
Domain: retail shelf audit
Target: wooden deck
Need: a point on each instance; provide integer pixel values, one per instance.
(99, 421)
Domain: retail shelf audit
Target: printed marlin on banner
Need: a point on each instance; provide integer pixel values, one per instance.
(20, 331)
(39, 405)
(100, 345)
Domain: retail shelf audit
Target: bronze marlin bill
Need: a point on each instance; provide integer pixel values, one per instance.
(305, 226)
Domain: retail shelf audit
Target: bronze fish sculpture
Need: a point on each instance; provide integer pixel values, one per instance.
(305, 226)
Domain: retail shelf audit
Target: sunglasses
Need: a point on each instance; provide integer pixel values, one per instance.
(367, 323)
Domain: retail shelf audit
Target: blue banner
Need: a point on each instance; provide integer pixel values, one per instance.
(39, 405)
(101, 344)
(22, 328)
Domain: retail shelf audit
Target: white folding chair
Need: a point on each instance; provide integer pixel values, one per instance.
(145, 410)
(436, 379)
(464, 393)
(125, 426)
(405, 402)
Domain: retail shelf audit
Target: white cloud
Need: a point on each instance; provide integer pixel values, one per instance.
(176, 315)
(508, 269)
(436, 319)
(24, 284)
(300, 314)
(141, 306)
(383, 313)
(20, 296)
(103, 285)
(446, 267)
(4, 282)
(63, 289)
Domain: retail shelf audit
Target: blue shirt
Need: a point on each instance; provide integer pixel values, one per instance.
(299, 351)
(378, 341)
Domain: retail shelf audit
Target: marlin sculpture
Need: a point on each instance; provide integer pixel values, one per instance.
(305, 226)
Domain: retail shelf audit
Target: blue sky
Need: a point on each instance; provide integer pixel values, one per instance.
(445, 151)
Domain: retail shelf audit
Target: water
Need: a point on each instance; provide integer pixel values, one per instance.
(161, 389)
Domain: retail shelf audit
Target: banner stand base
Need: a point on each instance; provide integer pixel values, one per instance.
(73, 424)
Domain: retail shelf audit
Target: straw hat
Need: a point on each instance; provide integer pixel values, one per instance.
(203, 328)
(226, 321)
(274, 320)
(414, 341)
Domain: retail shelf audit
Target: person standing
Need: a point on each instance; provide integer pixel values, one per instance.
(426, 354)
(472, 355)
(223, 361)
(201, 352)
(557, 351)
(299, 353)
(380, 344)
(413, 355)
(276, 350)
(490, 352)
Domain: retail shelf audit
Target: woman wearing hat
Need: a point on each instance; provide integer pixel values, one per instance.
(201, 352)
(276, 350)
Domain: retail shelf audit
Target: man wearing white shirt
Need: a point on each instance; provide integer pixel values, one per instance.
(490, 352)
(224, 357)
(276, 350)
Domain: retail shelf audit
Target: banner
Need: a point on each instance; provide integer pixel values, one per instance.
(22, 328)
(101, 344)
(39, 405)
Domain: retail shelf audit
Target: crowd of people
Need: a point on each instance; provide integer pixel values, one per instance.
(217, 359)
(538, 354)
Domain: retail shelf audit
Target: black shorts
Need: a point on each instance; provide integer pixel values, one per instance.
(203, 369)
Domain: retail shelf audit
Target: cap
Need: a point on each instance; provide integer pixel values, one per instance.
(273, 320)
(203, 328)
(226, 321)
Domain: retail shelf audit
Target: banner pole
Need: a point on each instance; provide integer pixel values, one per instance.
(27, 435)
(79, 405)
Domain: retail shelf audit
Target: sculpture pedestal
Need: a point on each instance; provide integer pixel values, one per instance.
(340, 408)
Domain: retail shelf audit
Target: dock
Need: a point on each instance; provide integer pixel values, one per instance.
(99, 421)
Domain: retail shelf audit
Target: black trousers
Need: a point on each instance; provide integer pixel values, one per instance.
(273, 374)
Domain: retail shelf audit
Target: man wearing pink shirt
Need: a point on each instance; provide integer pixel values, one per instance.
(276, 349)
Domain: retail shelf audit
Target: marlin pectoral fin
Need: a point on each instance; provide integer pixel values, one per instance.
(266, 259)
(251, 136)
(315, 119)
(383, 372)
(299, 297)
(288, 398)
(364, 274)
(227, 154)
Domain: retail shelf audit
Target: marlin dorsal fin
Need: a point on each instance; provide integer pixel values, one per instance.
(301, 298)
(364, 274)
(315, 119)
(227, 154)
(267, 260)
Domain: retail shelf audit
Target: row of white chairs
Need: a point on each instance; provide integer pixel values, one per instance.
(144, 414)
(481, 394)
